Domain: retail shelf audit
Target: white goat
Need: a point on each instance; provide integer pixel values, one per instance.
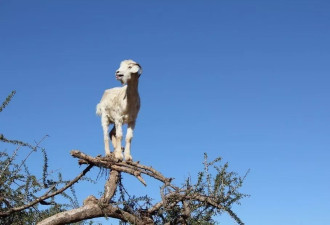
(120, 105)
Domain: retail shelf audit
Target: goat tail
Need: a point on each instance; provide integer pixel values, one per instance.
(98, 109)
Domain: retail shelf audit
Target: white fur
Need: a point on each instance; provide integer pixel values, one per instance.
(120, 105)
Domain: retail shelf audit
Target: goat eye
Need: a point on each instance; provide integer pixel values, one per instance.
(129, 67)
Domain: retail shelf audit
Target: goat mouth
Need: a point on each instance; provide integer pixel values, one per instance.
(119, 76)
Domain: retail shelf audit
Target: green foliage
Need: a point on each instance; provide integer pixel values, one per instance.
(132, 204)
(18, 187)
(7, 100)
(221, 187)
(215, 191)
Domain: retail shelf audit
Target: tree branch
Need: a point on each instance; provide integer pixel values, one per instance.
(110, 187)
(47, 194)
(90, 211)
(177, 205)
(133, 168)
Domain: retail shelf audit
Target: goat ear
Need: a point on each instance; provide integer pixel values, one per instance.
(136, 69)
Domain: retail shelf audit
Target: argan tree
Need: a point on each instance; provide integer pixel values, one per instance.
(215, 191)
(24, 197)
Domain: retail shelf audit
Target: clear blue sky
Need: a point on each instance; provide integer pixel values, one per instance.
(245, 80)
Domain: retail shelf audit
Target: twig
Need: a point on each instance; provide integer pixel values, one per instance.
(15, 142)
(8, 99)
(47, 194)
(9, 161)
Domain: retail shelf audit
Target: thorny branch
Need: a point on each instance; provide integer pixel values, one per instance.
(188, 204)
(48, 194)
(183, 201)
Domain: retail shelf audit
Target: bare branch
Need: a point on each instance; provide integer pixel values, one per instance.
(132, 168)
(111, 186)
(90, 211)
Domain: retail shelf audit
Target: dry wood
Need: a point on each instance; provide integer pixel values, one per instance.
(133, 168)
(90, 211)
(106, 206)
(94, 207)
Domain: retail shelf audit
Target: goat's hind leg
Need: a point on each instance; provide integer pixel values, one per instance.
(105, 126)
(112, 135)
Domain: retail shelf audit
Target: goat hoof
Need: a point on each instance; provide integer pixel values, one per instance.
(128, 158)
(119, 156)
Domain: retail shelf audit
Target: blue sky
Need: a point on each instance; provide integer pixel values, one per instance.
(244, 80)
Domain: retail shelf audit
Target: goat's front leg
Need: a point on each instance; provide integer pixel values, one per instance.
(119, 137)
(112, 136)
(105, 126)
(129, 136)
